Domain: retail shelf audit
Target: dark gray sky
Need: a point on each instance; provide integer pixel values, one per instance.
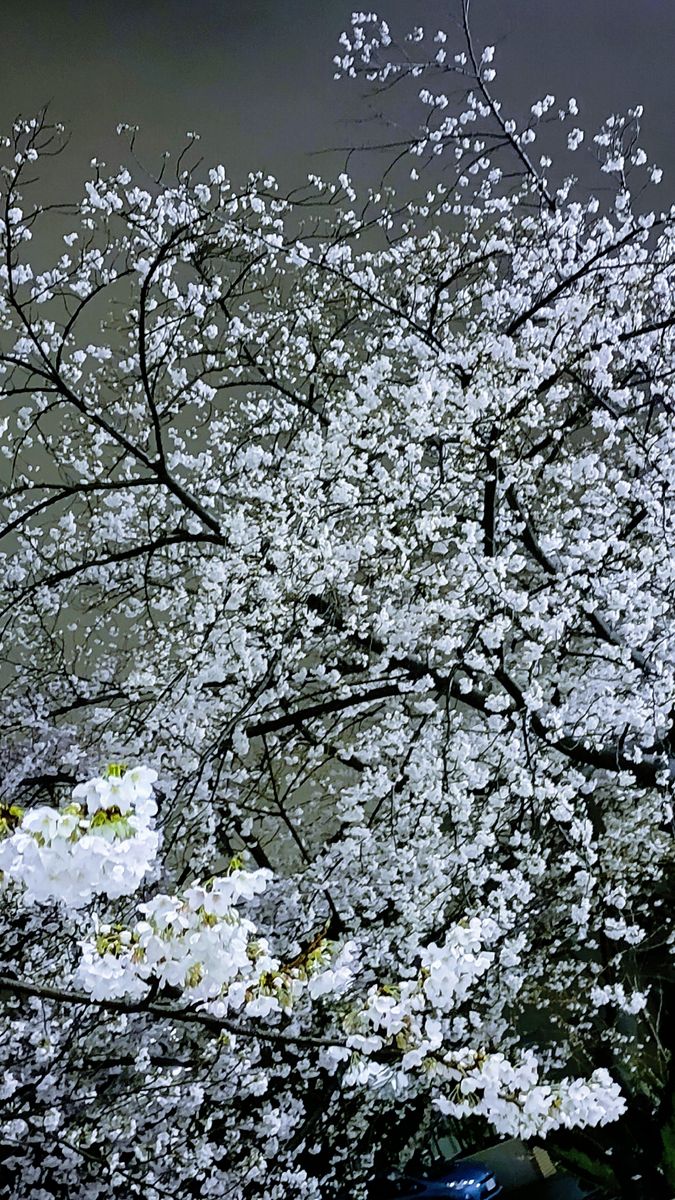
(254, 77)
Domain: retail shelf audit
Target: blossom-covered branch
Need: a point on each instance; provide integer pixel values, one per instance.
(351, 518)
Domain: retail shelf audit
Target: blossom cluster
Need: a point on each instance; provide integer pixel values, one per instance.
(518, 1102)
(200, 944)
(102, 843)
(418, 1021)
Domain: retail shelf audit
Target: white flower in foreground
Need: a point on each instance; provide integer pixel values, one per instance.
(200, 943)
(127, 790)
(519, 1102)
(103, 843)
(452, 968)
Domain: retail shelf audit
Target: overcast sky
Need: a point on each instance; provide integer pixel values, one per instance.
(254, 77)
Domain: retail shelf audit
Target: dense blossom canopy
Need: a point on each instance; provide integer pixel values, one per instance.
(347, 524)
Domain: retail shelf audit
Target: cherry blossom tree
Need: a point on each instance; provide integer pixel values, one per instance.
(338, 656)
